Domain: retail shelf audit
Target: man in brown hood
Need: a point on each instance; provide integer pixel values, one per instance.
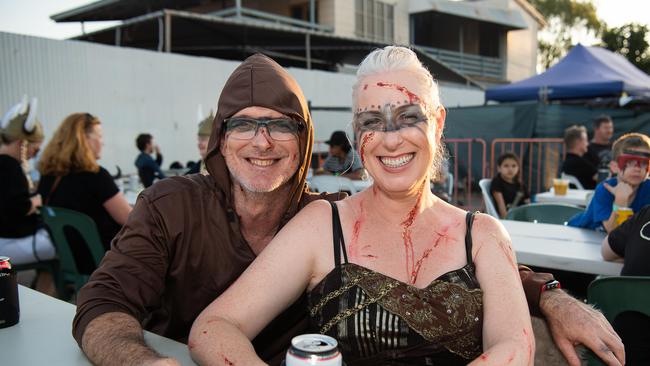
(188, 238)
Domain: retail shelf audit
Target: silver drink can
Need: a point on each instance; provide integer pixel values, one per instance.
(313, 349)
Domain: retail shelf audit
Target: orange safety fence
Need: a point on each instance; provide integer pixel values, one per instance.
(467, 158)
(540, 159)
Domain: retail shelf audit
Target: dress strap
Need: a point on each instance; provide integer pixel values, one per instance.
(469, 219)
(337, 234)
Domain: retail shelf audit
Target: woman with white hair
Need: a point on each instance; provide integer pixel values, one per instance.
(22, 237)
(395, 274)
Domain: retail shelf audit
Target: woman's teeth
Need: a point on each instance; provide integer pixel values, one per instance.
(398, 161)
(258, 162)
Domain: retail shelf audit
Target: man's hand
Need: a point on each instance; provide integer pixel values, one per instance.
(572, 322)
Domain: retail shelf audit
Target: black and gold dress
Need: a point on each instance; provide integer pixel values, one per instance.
(379, 320)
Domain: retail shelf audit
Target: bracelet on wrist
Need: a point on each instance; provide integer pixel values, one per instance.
(550, 285)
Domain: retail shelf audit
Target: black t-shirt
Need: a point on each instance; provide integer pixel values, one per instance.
(14, 201)
(631, 241)
(84, 192)
(580, 168)
(509, 191)
(599, 155)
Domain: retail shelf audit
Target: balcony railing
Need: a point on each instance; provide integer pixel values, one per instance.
(265, 17)
(466, 64)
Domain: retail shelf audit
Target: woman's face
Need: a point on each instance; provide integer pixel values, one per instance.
(33, 149)
(397, 131)
(95, 138)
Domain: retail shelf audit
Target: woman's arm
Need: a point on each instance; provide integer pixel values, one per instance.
(222, 332)
(501, 204)
(118, 208)
(507, 332)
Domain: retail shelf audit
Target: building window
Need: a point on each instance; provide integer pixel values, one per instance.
(374, 20)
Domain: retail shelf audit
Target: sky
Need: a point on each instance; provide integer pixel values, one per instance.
(33, 16)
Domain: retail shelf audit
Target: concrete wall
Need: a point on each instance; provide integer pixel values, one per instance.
(134, 91)
(522, 48)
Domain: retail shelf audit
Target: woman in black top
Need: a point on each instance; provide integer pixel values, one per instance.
(21, 237)
(71, 178)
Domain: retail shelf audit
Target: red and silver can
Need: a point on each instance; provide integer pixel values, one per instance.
(9, 309)
(313, 349)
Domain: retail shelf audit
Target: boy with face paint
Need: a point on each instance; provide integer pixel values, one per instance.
(629, 189)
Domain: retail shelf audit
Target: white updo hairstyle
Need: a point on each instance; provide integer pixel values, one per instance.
(397, 58)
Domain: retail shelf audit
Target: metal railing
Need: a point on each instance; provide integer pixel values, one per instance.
(270, 18)
(468, 165)
(468, 64)
(540, 159)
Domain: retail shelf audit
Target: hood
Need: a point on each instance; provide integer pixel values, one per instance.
(260, 81)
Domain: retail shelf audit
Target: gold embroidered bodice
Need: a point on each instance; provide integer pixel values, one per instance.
(379, 320)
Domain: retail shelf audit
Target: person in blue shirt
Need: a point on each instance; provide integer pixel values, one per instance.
(629, 189)
(148, 168)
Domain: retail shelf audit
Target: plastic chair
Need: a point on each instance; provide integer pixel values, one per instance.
(331, 183)
(490, 207)
(614, 295)
(547, 213)
(57, 219)
(572, 180)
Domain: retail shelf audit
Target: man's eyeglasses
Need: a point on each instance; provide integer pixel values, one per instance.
(280, 129)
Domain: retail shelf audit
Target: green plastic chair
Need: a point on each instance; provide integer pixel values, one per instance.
(614, 295)
(546, 213)
(57, 219)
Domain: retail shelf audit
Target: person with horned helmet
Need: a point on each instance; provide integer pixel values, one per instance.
(22, 237)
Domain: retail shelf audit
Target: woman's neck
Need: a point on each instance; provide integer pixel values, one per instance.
(401, 207)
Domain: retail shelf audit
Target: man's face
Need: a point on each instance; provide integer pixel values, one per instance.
(148, 148)
(260, 164)
(582, 144)
(337, 151)
(202, 143)
(605, 131)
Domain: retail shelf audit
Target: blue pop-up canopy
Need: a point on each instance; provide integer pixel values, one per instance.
(585, 72)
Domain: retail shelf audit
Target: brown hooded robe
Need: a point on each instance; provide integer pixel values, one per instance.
(182, 245)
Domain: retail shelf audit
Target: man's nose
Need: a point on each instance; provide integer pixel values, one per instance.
(262, 139)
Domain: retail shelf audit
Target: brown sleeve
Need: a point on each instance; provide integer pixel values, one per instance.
(131, 277)
(532, 282)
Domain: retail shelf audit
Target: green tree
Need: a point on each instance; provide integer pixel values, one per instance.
(566, 19)
(631, 41)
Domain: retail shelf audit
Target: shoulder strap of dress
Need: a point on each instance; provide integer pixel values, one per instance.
(337, 234)
(469, 218)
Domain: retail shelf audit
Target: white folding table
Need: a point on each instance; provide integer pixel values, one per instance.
(577, 197)
(560, 247)
(44, 335)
